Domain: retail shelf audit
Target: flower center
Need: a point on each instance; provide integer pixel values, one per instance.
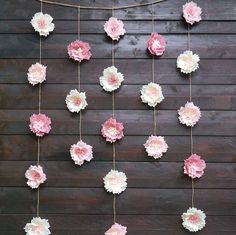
(41, 24)
(194, 219)
(79, 52)
(114, 181)
(112, 80)
(36, 175)
(77, 101)
(39, 125)
(80, 151)
(156, 44)
(112, 131)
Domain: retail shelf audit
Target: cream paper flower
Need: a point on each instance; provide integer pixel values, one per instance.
(37, 226)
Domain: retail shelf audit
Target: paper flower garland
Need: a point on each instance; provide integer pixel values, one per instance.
(40, 124)
(112, 130)
(189, 114)
(156, 44)
(114, 28)
(35, 176)
(111, 79)
(188, 62)
(151, 94)
(194, 219)
(37, 226)
(36, 73)
(116, 229)
(81, 152)
(42, 23)
(155, 146)
(192, 12)
(79, 50)
(115, 182)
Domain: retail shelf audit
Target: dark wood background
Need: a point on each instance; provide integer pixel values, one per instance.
(73, 198)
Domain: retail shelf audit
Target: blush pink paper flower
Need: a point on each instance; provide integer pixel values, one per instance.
(114, 28)
(156, 44)
(116, 229)
(79, 50)
(36, 73)
(37, 226)
(155, 146)
(189, 114)
(194, 166)
(40, 124)
(192, 12)
(35, 176)
(81, 152)
(112, 130)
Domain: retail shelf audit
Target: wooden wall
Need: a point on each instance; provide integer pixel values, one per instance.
(73, 198)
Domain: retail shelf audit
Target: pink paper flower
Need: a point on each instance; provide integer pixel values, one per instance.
(192, 12)
(40, 124)
(79, 50)
(194, 166)
(35, 176)
(189, 114)
(112, 130)
(155, 146)
(36, 73)
(194, 219)
(81, 152)
(37, 226)
(156, 44)
(114, 28)
(116, 229)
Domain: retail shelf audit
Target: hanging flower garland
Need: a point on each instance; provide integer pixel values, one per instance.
(40, 124)
(193, 219)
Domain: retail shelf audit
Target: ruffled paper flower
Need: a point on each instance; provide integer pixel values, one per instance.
(188, 62)
(35, 176)
(40, 124)
(42, 23)
(112, 130)
(189, 114)
(36, 73)
(81, 152)
(76, 101)
(79, 50)
(156, 44)
(194, 219)
(192, 12)
(37, 226)
(116, 229)
(151, 94)
(111, 79)
(194, 166)
(114, 28)
(115, 182)
(155, 146)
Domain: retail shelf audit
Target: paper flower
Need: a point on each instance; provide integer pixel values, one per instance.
(112, 130)
(76, 101)
(42, 23)
(151, 94)
(114, 28)
(37, 226)
(194, 219)
(155, 146)
(192, 12)
(188, 62)
(35, 176)
(40, 124)
(36, 73)
(79, 50)
(111, 79)
(156, 44)
(116, 229)
(115, 182)
(189, 114)
(81, 152)
(194, 166)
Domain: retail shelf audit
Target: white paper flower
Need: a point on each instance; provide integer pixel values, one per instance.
(111, 79)
(37, 226)
(76, 101)
(115, 182)
(151, 94)
(188, 62)
(194, 219)
(42, 23)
